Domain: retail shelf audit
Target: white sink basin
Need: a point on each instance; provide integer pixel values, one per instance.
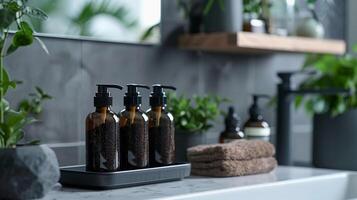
(336, 186)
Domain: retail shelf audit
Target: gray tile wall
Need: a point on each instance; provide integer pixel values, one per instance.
(74, 67)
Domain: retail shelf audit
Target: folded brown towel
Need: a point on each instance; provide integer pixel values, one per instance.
(225, 168)
(236, 150)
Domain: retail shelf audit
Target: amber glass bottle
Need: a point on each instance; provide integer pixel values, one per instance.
(256, 127)
(134, 131)
(161, 129)
(232, 130)
(102, 134)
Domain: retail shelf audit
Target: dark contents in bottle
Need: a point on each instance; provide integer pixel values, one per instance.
(162, 145)
(102, 148)
(134, 146)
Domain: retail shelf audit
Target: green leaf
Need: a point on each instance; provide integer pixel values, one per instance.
(208, 7)
(26, 28)
(24, 36)
(25, 105)
(6, 82)
(195, 114)
(147, 34)
(13, 6)
(7, 17)
(298, 101)
(35, 12)
(11, 49)
(4, 105)
(13, 118)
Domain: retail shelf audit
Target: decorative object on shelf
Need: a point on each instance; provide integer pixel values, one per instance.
(309, 25)
(251, 23)
(27, 171)
(192, 12)
(223, 16)
(212, 15)
(334, 127)
(252, 16)
(276, 13)
(193, 117)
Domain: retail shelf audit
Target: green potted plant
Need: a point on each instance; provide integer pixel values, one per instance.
(193, 118)
(335, 116)
(27, 170)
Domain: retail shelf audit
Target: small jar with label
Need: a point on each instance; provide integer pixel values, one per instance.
(256, 127)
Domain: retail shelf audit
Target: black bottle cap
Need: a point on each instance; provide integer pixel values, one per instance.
(158, 96)
(132, 96)
(102, 97)
(232, 120)
(254, 111)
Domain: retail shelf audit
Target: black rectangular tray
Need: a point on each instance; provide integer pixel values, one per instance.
(77, 176)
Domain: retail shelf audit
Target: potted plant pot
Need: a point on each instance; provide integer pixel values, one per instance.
(27, 172)
(228, 18)
(334, 141)
(185, 140)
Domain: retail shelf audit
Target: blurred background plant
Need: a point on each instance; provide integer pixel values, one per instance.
(332, 72)
(106, 19)
(79, 23)
(196, 114)
(252, 7)
(13, 121)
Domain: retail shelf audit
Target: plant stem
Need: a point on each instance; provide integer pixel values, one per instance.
(2, 56)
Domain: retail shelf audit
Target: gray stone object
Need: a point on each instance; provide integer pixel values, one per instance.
(27, 172)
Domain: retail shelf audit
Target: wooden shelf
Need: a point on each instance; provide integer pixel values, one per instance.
(245, 42)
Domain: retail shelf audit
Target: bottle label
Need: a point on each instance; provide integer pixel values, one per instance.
(257, 131)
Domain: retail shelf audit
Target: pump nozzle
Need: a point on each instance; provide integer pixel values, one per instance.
(102, 97)
(254, 110)
(158, 96)
(132, 96)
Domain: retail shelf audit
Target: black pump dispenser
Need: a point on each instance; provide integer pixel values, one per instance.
(231, 120)
(102, 133)
(254, 110)
(132, 96)
(102, 97)
(158, 96)
(232, 130)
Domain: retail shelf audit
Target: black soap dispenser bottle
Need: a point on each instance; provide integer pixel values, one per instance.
(256, 127)
(161, 128)
(232, 130)
(102, 133)
(134, 146)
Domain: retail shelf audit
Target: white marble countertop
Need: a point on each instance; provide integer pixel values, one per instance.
(188, 186)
